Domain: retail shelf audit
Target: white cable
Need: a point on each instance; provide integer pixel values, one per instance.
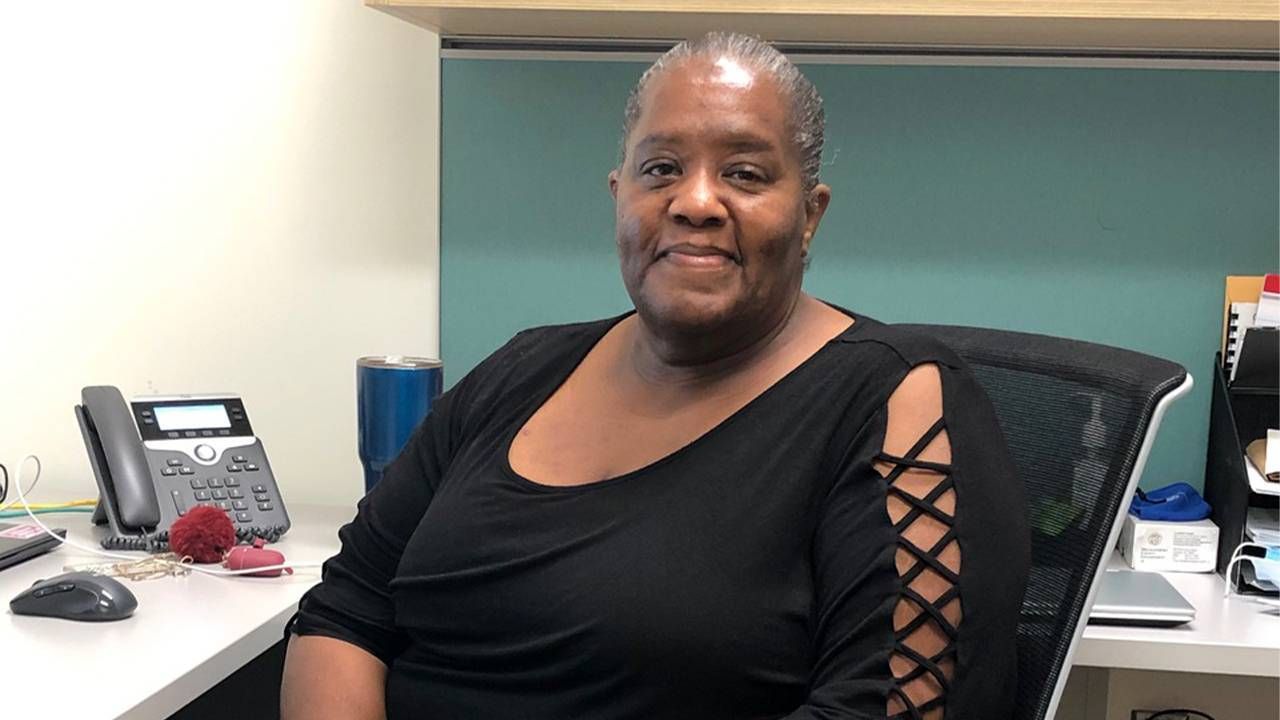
(1237, 557)
(11, 503)
(22, 498)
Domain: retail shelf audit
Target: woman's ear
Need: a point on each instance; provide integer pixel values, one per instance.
(815, 206)
(613, 183)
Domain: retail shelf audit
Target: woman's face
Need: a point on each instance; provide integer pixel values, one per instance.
(712, 217)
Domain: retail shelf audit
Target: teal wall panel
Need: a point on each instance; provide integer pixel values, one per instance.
(1099, 204)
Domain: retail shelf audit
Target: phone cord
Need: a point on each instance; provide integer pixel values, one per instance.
(158, 542)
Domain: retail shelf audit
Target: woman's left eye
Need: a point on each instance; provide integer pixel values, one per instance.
(745, 175)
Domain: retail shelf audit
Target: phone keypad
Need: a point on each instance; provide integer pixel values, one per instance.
(225, 494)
(247, 505)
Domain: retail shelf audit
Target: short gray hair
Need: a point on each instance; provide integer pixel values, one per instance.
(804, 104)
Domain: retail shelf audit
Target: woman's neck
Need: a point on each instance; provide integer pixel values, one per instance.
(705, 358)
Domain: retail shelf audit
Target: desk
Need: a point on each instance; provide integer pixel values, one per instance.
(1230, 636)
(188, 633)
(170, 651)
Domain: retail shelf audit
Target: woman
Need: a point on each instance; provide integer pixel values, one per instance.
(735, 502)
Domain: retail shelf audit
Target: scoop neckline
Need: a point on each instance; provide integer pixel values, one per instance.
(717, 429)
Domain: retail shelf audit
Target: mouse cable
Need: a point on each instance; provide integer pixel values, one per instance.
(22, 498)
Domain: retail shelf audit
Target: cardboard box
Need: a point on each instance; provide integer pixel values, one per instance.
(1180, 546)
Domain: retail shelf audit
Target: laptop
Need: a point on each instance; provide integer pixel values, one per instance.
(1139, 598)
(23, 542)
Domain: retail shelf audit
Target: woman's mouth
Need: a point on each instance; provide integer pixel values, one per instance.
(698, 256)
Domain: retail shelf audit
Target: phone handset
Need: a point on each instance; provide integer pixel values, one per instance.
(118, 460)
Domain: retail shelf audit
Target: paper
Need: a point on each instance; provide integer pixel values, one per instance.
(1257, 483)
(1268, 313)
(1263, 525)
(1272, 469)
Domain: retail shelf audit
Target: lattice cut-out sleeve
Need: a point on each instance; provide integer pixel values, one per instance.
(921, 501)
(924, 506)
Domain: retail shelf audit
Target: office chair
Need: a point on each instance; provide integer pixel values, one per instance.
(1079, 420)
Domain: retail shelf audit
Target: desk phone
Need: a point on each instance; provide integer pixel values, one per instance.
(158, 456)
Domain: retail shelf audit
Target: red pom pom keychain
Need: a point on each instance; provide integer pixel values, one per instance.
(205, 534)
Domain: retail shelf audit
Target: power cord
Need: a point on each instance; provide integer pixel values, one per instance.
(22, 499)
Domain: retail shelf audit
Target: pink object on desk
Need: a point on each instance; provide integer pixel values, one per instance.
(245, 558)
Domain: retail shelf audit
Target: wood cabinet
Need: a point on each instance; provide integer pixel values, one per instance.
(1221, 26)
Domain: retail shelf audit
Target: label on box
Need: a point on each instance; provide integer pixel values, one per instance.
(1181, 546)
(20, 532)
(1154, 545)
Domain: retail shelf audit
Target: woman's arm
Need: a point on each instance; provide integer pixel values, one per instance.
(344, 635)
(924, 494)
(310, 693)
(922, 509)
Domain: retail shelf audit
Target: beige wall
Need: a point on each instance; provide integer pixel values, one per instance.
(235, 195)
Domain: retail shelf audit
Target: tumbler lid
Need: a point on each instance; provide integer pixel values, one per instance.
(403, 362)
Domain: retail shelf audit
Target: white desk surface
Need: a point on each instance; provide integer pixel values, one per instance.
(188, 633)
(192, 632)
(1230, 636)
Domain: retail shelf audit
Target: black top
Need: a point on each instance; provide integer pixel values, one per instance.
(749, 574)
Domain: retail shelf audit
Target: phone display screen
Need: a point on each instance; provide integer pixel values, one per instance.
(191, 417)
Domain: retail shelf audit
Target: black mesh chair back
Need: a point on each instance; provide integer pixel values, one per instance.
(1079, 420)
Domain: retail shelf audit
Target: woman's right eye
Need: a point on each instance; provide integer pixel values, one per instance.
(659, 169)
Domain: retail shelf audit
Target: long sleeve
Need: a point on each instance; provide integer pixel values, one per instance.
(353, 601)
(909, 529)
(854, 590)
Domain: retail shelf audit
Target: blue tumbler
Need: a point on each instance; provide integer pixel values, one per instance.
(393, 394)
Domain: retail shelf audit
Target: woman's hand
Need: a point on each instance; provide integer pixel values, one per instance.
(327, 678)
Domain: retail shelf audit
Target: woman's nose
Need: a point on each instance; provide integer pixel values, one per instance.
(696, 202)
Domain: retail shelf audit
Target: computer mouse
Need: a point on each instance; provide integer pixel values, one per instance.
(76, 596)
